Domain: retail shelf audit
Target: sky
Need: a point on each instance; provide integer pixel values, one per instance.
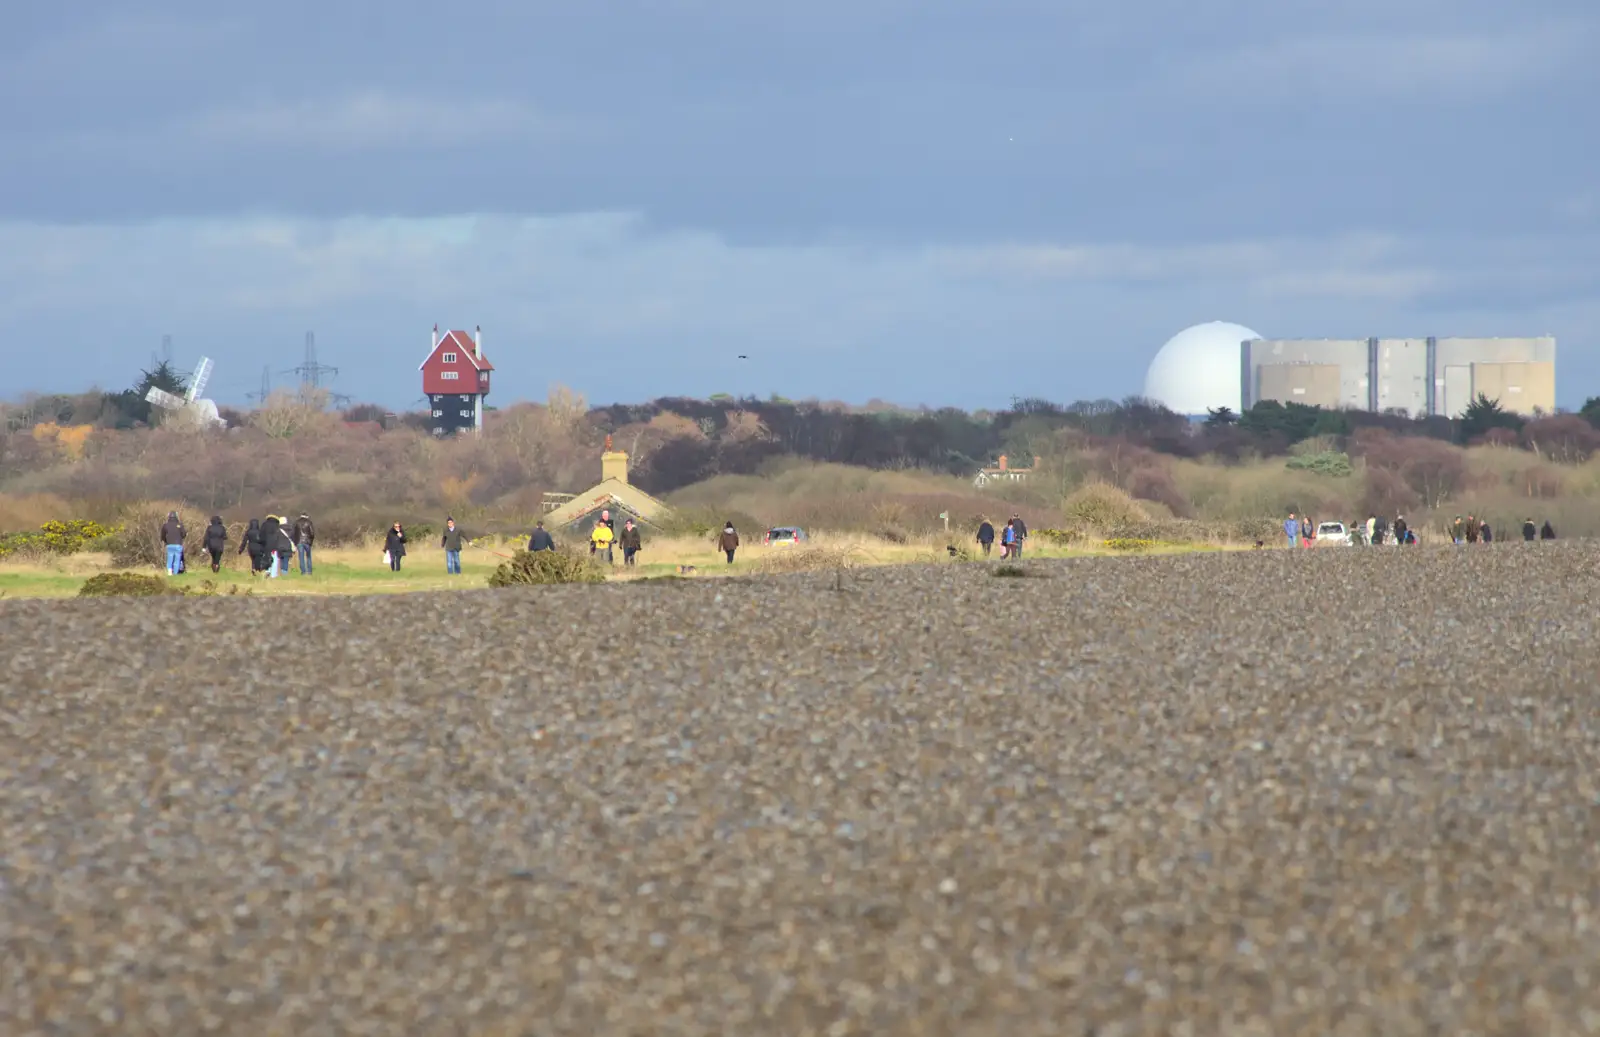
(921, 201)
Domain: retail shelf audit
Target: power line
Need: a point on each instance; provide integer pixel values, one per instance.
(266, 386)
(310, 371)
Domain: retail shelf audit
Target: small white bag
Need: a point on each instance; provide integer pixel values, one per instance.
(386, 558)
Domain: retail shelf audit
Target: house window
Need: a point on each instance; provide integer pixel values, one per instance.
(450, 375)
(448, 358)
(466, 414)
(438, 413)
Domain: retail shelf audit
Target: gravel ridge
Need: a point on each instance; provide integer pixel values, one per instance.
(1273, 792)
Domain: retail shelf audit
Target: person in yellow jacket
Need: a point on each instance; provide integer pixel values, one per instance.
(600, 542)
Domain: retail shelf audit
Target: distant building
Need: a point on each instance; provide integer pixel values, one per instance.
(580, 511)
(455, 379)
(1001, 471)
(1421, 377)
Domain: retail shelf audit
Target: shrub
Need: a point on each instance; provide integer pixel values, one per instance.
(132, 585)
(803, 560)
(1060, 537)
(1130, 544)
(1100, 505)
(1329, 462)
(53, 538)
(705, 523)
(537, 568)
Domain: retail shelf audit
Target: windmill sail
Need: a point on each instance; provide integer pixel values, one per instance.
(165, 400)
(202, 374)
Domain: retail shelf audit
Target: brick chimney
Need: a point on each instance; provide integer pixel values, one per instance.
(1002, 462)
(613, 464)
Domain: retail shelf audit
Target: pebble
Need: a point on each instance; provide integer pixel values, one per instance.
(1310, 792)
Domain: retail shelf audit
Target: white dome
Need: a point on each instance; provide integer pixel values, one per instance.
(1198, 369)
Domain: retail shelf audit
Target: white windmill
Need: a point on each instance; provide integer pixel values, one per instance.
(202, 411)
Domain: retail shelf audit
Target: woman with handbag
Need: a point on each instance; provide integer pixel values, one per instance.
(394, 547)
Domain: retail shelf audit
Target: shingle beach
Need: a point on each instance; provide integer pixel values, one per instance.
(1342, 791)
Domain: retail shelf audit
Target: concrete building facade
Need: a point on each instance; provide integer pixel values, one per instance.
(1416, 376)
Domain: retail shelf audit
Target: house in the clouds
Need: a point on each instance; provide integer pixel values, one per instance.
(455, 379)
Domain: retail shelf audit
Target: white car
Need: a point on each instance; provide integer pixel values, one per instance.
(1332, 533)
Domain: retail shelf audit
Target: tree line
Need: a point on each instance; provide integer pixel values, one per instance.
(680, 440)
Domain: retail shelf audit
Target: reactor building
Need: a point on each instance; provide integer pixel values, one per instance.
(1415, 376)
(1219, 364)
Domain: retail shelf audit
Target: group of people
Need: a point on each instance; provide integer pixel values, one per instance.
(452, 540)
(603, 540)
(1012, 536)
(269, 542)
(1300, 531)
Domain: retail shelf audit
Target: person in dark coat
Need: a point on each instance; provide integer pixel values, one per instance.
(394, 546)
(1547, 531)
(1021, 537)
(270, 530)
(541, 539)
(451, 542)
(1400, 529)
(728, 540)
(172, 537)
(251, 544)
(1530, 532)
(631, 542)
(216, 541)
(284, 544)
(1485, 533)
(986, 536)
(305, 534)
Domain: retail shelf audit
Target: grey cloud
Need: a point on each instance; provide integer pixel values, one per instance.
(664, 310)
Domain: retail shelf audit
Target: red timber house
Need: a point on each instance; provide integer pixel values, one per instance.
(455, 379)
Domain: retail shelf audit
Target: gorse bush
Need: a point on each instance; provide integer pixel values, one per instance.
(1130, 544)
(534, 568)
(55, 538)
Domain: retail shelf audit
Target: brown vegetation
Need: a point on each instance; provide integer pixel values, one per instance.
(1119, 470)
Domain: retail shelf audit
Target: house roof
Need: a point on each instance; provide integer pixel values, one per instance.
(607, 494)
(461, 342)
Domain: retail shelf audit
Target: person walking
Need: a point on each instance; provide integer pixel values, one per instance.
(1470, 529)
(451, 542)
(1308, 532)
(172, 536)
(1530, 532)
(986, 537)
(1021, 536)
(1401, 529)
(1291, 529)
(1008, 539)
(270, 528)
(631, 543)
(600, 541)
(394, 547)
(728, 541)
(1485, 534)
(250, 544)
(215, 542)
(284, 545)
(541, 540)
(1457, 531)
(1547, 531)
(305, 534)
